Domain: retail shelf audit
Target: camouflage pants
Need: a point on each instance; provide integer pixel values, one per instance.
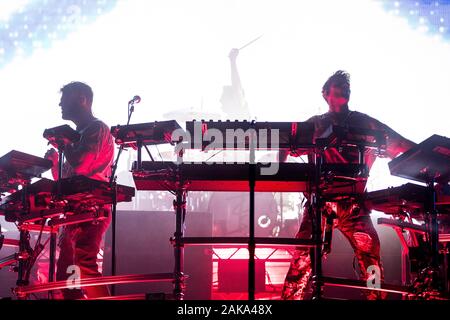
(355, 224)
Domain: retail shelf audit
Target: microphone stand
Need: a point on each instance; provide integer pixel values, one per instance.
(113, 186)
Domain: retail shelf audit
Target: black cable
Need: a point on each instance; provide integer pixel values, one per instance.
(35, 252)
(38, 241)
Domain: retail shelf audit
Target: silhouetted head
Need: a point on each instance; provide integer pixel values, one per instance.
(76, 100)
(336, 91)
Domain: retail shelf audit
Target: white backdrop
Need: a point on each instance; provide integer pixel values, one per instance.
(174, 55)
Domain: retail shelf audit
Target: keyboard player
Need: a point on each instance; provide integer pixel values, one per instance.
(92, 157)
(353, 220)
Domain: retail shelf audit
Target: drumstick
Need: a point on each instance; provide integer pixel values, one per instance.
(250, 42)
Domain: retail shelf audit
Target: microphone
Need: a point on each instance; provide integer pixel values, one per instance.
(136, 99)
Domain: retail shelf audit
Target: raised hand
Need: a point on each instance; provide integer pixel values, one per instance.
(233, 54)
